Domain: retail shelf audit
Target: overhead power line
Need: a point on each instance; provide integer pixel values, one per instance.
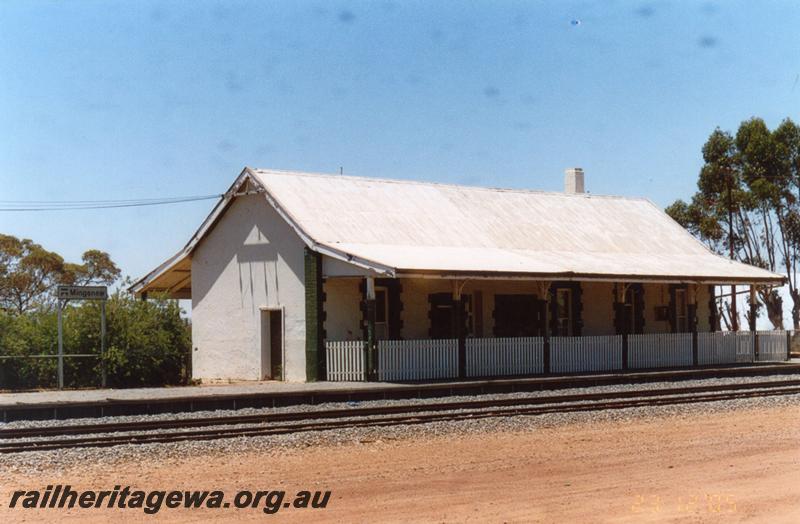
(110, 201)
(74, 205)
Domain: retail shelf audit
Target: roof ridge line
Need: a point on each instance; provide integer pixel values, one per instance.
(444, 184)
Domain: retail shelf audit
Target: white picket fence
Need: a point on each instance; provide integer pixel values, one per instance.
(772, 346)
(488, 357)
(738, 347)
(721, 347)
(745, 350)
(660, 350)
(576, 354)
(345, 360)
(417, 359)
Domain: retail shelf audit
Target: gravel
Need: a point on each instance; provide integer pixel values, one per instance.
(81, 459)
(381, 403)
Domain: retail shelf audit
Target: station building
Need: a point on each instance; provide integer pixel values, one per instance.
(301, 277)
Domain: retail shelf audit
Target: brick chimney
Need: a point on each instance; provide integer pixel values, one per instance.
(573, 180)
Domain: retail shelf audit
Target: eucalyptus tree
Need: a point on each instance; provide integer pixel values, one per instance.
(748, 205)
(29, 272)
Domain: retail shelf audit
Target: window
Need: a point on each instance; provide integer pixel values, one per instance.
(563, 312)
(381, 313)
(681, 317)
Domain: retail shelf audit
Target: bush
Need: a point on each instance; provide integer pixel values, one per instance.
(147, 344)
(24, 335)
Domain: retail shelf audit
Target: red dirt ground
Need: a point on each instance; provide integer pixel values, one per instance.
(741, 466)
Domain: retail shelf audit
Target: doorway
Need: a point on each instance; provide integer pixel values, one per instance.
(518, 316)
(272, 344)
(442, 315)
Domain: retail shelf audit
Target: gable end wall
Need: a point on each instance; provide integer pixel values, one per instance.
(251, 260)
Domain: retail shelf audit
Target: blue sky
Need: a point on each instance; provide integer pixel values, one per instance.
(115, 100)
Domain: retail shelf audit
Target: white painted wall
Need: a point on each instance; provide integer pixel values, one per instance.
(251, 260)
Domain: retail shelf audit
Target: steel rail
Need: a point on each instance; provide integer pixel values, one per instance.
(421, 416)
(114, 427)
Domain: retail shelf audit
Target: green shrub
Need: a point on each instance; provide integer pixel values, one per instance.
(147, 344)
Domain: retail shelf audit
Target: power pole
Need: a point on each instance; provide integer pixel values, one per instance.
(734, 314)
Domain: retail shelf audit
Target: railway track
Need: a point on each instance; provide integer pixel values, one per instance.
(210, 428)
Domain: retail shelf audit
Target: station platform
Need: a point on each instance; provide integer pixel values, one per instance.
(41, 405)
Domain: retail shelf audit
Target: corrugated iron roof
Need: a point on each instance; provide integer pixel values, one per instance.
(420, 227)
(405, 227)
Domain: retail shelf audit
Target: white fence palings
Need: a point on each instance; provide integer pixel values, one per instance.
(717, 348)
(738, 347)
(772, 346)
(417, 359)
(488, 357)
(345, 360)
(745, 350)
(576, 354)
(660, 350)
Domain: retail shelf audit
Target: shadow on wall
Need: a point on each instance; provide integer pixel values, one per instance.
(256, 258)
(251, 233)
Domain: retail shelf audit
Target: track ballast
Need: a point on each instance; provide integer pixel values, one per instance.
(48, 438)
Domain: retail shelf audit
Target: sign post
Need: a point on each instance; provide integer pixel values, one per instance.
(103, 344)
(67, 293)
(60, 348)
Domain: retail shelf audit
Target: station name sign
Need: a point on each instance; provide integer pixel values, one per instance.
(82, 292)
